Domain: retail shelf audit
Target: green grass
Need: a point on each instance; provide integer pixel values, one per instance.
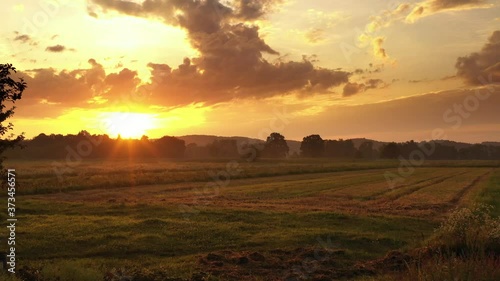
(491, 194)
(270, 205)
(39, 177)
(80, 231)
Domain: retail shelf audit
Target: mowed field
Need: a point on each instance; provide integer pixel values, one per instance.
(226, 220)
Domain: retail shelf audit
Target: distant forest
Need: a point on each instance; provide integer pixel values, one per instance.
(85, 145)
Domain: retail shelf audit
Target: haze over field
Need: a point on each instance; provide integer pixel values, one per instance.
(390, 71)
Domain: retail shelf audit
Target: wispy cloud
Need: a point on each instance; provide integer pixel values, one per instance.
(431, 7)
(410, 13)
(377, 23)
(24, 39)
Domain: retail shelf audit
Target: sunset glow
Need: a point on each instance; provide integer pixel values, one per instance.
(250, 139)
(339, 68)
(127, 124)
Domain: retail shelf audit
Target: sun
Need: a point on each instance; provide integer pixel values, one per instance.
(127, 124)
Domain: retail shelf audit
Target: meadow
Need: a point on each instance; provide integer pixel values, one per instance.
(226, 220)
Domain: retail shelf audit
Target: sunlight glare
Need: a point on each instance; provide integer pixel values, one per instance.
(128, 124)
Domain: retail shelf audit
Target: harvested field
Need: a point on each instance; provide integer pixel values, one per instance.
(268, 215)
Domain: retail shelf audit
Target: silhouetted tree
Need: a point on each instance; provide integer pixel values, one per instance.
(340, 149)
(478, 152)
(11, 90)
(441, 151)
(276, 146)
(170, 147)
(312, 146)
(390, 151)
(195, 151)
(41, 139)
(366, 150)
(251, 151)
(224, 148)
(406, 148)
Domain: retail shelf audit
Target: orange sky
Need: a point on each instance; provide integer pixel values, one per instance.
(341, 69)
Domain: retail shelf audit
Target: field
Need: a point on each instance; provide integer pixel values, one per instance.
(226, 220)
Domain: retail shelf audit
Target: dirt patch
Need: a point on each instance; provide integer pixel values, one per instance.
(288, 265)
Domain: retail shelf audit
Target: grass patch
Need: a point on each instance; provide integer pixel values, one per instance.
(85, 239)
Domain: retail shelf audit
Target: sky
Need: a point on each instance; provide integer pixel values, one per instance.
(384, 70)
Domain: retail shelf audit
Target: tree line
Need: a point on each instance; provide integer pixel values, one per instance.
(315, 146)
(56, 146)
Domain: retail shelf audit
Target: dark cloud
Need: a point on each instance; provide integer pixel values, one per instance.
(78, 88)
(250, 10)
(482, 67)
(49, 86)
(359, 71)
(232, 63)
(351, 89)
(24, 38)
(450, 4)
(120, 84)
(56, 49)
(375, 84)
(194, 15)
(91, 12)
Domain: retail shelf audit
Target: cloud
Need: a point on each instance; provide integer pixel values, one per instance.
(319, 23)
(194, 15)
(24, 39)
(482, 67)
(118, 84)
(378, 50)
(431, 7)
(231, 62)
(56, 49)
(410, 13)
(82, 88)
(351, 89)
(315, 35)
(250, 10)
(91, 12)
(388, 17)
(384, 20)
